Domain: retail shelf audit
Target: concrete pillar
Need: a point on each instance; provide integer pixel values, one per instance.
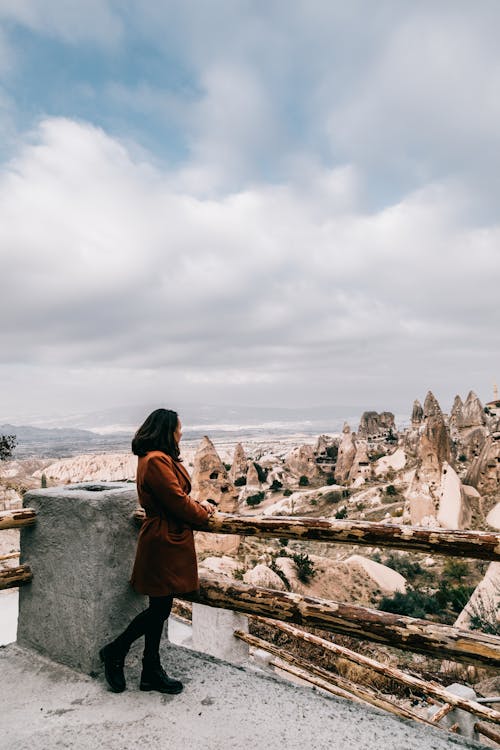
(464, 719)
(81, 552)
(213, 633)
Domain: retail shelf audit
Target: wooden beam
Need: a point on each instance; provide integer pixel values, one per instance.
(14, 519)
(399, 631)
(480, 545)
(488, 731)
(364, 693)
(10, 556)
(12, 577)
(417, 685)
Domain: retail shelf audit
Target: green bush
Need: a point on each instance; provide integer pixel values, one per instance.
(276, 485)
(330, 479)
(303, 481)
(287, 493)
(261, 473)
(402, 564)
(413, 603)
(305, 566)
(333, 496)
(240, 482)
(341, 513)
(280, 573)
(455, 570)
(256, 499)
(283, 542)
(391, 490)
(227, 467)
(462, 457)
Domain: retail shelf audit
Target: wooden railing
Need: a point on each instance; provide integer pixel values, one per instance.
(407, 633)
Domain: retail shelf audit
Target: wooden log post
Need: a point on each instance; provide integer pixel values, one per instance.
(417, 685)
(15, 519)
(490, 732)
(480, 545)
(399, 631)
(12, 577)
(364, 693)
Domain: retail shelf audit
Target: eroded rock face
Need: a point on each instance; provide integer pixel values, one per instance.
(473, 412)
(417, 414)
(456, 415)
(484, 603)
(239, 465)
(324, 445)
(361, 465)
(388, 579)
(374, 425)
(210, 478)
(104, 467)
(431, 406)
(454, 510)
(261, 575)
(484, 473)
(252, 476)
(433, 449)
(301, 461)
(394, 462)
(346, 455)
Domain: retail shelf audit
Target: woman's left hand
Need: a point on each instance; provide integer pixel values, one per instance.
(209, 507)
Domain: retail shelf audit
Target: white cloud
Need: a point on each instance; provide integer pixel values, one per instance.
(70, 20)
(107, 265)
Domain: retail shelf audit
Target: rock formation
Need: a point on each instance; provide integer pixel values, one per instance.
(454, 510)
(252, 476)
(104, 467)
(456, 416)
(484, 474)
(374, 425)
(433, 450)
(388, 579)
(301, 461)
(325, 444)
(360, 469)
(261, 575)
(239, 465)
(484, 605)
(431, 406)
(210, 478)
(473, 412)
(417, 414)
(346, 454)
(394, 462)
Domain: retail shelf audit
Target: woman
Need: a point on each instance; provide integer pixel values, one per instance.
(165, 561)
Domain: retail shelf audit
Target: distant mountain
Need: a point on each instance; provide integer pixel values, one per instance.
(60, 442)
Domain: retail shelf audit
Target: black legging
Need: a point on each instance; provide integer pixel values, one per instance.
(148, 623)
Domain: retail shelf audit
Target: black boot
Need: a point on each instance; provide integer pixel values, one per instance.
(153, 677)
(113, 661)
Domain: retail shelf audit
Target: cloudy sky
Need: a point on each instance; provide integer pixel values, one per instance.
(263, 203)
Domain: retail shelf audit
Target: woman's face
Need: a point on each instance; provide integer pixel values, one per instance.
(178, 432)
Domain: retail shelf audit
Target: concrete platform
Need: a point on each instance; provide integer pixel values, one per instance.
(223, 707)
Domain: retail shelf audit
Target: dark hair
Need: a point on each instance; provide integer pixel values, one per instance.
(157, 434)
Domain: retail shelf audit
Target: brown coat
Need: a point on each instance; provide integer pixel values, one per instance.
(165, 560)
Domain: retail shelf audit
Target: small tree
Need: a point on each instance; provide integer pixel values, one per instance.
(303, 481)
(7, 445)
(43, 481)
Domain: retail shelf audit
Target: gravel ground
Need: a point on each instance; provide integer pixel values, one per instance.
(46, 705)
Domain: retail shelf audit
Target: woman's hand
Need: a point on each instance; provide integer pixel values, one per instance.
(209, 507)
